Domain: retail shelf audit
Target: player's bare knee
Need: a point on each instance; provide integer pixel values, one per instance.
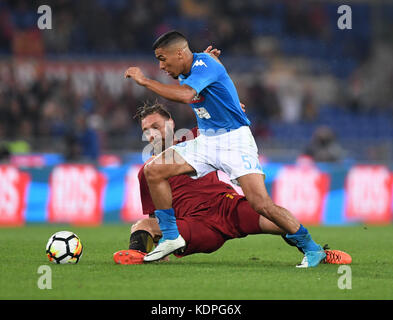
(153, 172)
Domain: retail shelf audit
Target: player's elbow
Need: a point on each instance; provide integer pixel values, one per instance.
(188, 94)
(187, 100)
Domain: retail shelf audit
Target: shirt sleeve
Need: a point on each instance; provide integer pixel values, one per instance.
(203, 73)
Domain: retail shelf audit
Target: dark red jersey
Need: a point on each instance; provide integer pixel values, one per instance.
(189, 195)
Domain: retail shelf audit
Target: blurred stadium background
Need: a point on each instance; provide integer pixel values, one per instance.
(70, 148)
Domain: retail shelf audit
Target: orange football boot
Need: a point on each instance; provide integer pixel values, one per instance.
(337, 257)
(129, 257)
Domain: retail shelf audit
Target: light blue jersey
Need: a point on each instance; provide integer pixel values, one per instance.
(216, 105)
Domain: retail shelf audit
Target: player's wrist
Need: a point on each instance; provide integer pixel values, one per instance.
(143, 81)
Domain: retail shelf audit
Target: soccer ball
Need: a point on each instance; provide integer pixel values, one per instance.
(64, 247)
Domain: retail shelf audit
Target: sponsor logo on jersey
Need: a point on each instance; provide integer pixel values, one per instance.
(202, 113)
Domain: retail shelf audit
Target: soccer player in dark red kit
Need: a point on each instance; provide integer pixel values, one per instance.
(208, 211)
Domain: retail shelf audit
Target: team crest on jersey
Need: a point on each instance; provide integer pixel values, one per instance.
(198, 98)
(199, 63)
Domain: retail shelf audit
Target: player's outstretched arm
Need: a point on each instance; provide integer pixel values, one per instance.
(174, 92)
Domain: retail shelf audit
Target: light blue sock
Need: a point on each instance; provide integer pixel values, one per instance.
(302, 239)
(167, 222)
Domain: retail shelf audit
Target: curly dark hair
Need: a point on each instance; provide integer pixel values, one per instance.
(151, 108)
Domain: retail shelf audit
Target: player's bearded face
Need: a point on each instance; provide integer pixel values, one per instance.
(158, 131)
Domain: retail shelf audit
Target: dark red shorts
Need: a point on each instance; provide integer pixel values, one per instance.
(205, 231)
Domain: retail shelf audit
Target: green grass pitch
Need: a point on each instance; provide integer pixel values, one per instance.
(257, 267)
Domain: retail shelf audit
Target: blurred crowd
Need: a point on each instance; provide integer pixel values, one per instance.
(278, 88)
(129, 26)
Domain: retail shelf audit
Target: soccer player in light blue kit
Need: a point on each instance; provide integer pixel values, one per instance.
(225, 143)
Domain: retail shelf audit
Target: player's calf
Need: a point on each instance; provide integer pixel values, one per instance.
(149, 225)
(141, 242)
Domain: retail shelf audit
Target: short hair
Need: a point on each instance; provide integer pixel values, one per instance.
(148, 109)
(168, 38)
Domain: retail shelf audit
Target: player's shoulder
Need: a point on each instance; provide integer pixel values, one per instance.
(203, 59)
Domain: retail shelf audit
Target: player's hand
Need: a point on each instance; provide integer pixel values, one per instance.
(213, 52)
(136, 74)
(242, 105)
